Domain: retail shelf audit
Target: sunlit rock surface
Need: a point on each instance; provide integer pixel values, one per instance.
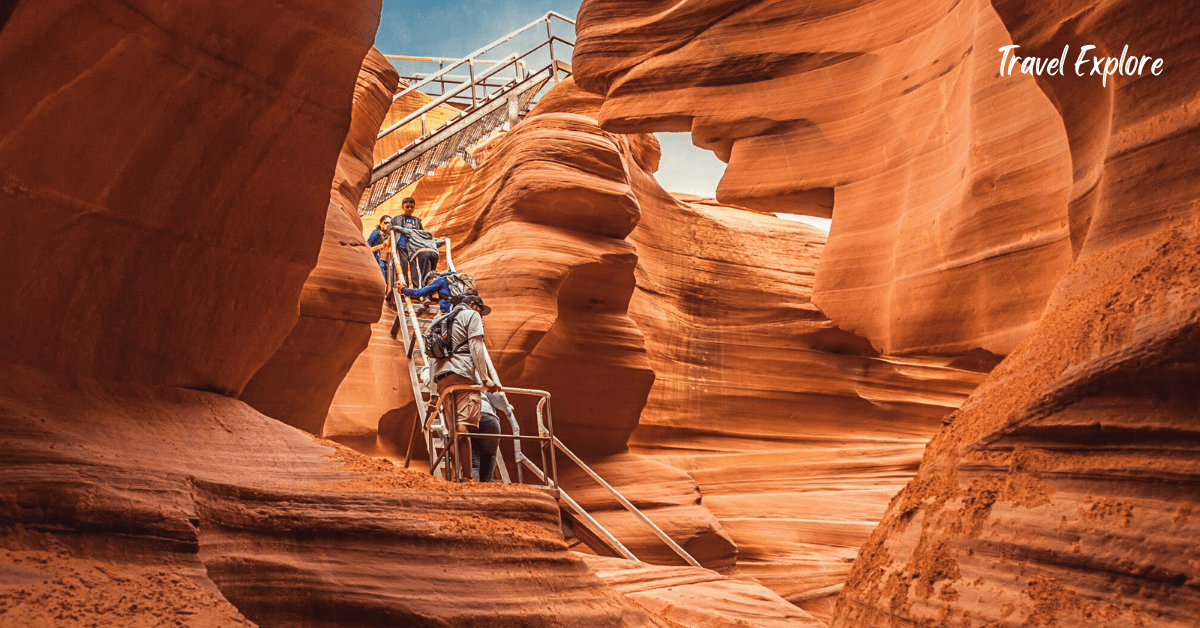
(697, 598)
(342, 296)
(798, 433)
(166, 176)
(946, 180)
(1064, 492)
(543, 226)
(196, 504)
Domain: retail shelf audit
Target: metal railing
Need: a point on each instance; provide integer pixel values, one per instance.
(441, 436)
(486, 102)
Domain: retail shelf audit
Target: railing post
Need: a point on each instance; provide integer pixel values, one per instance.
(471, 69)
(553, 59)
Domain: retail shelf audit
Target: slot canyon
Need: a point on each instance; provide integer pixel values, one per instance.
(973, 401)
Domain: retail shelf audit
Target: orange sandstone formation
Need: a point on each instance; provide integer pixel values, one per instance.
(225, 512)
(342, 296)
(798, 433)
(542, 224)
(1063, 493)
(946, 181)
(698, 598)
(164, 176)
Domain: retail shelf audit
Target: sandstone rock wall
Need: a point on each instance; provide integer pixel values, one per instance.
(165, 175)
(1063, 493)
(342, 296)
(543, 226)
(167, 170)
(232, 514)
(888, 115)
(798, 433)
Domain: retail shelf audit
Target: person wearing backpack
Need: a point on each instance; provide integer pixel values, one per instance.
(420, 251)
(448, 287)
(455, 341)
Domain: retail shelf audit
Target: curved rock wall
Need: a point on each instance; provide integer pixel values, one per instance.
(341, 298)
(1064, 492)
(166, 172)
(234, 514)
(542, 226)
(164, 175)
(775, 412)
(889, 115)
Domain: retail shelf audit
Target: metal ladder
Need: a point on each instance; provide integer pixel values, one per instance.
(441, 436)
(487, 102)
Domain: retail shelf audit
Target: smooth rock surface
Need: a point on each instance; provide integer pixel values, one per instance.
(697, 598)
(227, 506)
(341, 298)
(889, 116)
(798, 433)
(542, 225)
(164, 175)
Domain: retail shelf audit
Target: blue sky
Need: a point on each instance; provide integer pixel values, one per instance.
(455, 28)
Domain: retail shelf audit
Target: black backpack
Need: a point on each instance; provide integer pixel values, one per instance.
(439, 342)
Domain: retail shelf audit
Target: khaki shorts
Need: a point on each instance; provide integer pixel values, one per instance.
(465, 404)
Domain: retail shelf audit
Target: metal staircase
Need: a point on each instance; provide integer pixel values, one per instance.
(487, 101)
(441, 437)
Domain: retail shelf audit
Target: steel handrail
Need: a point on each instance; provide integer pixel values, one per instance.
(471, 57)
(442, 99)
(629, 505)
(429, 106)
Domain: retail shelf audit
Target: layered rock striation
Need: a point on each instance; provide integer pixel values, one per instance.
(889, 115)
(775, 412)
(1064, 493)
(194, 504)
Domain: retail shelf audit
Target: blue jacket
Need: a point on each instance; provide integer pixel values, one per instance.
(439, 286)
(375, 239)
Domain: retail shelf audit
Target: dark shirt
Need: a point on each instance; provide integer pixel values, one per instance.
(407, 222)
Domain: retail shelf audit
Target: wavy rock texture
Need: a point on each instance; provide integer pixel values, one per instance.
(195, 504)
(1131, 140)
(164, 176)
(191, 218)
(699, 598)
(542, 225)
(342, 296)
(1065, 491)
(889, 115)
(1063, 494)
(798, 433)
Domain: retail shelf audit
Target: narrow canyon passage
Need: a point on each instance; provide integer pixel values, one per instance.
(971, 401)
